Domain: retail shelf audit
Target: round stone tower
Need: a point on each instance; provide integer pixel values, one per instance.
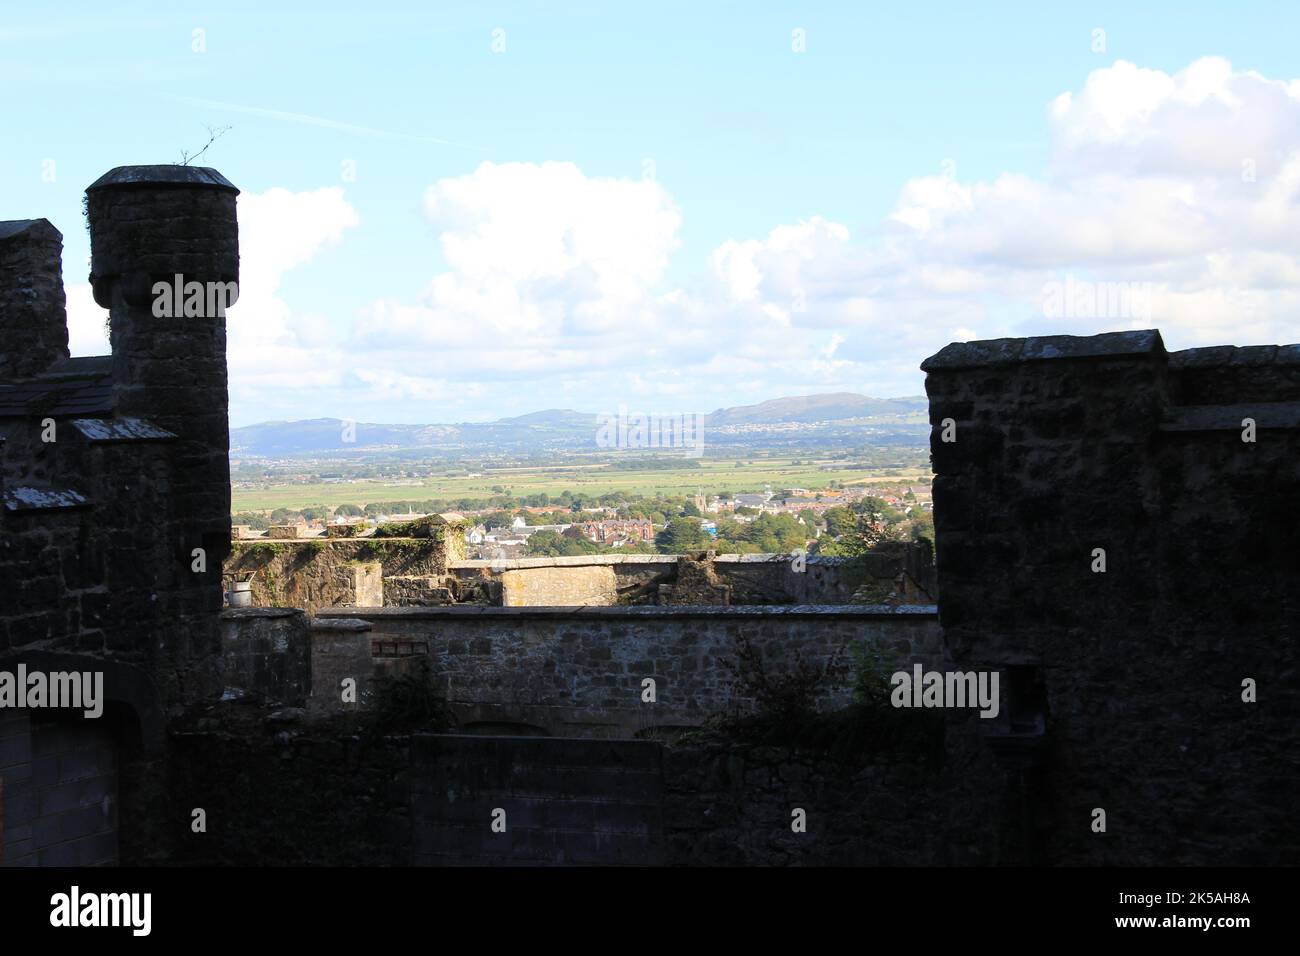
(165, 262)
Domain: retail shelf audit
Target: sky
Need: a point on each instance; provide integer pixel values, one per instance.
(464, 211)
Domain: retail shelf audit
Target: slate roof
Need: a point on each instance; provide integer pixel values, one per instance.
(43, 499)
(73, 386)
(120, 429)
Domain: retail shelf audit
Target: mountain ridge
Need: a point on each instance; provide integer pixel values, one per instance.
(547, 428)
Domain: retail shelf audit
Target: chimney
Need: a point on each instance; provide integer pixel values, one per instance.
(33, 323)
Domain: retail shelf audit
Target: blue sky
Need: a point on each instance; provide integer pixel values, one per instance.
(667, 205)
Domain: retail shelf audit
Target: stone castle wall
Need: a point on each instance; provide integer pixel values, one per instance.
(1125, 685)
(579, 672)
(430, 799)
(320, 573)
(315, 574)
(115, 475)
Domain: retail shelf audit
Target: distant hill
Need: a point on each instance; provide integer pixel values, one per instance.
(277, 439)
(835, 406)
(562, 428)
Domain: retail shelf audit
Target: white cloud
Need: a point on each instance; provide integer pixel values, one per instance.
(276, 356)
(535, 253)
(552, 288)
(548, 265)
(1186, 183)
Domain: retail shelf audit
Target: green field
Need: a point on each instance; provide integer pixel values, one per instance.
(712, 477)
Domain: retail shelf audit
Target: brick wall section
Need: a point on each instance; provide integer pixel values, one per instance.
(566, 802)
(274, 794)
(266, 655)
(19, 802)
(60, 792)
(340, 648)
(401, 799)
(579, 671)
(1065, 445)
(428, 800)
(730, 804)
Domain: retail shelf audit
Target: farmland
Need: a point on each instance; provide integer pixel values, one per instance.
(587, 477)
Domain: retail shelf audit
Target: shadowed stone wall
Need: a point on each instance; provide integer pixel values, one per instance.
(115, 475)
(1124, 687)
(431, 799)
(578, 672)
(31, 297)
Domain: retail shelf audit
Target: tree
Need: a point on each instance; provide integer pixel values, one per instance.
(252, 519)
(682, 535)
(879, 509)
(348, 511)
(867, 534)
(839, 521)
(498, 519)
(550, 544)
(775, 534)
(922, 525)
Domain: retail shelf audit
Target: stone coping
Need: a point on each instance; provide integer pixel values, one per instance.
(168, 174)
(633, 611)
(344, 624)
(588, 560)
(1208, 418)
(239, 613)
(988, 352)
(1218, 356)
(16, 227)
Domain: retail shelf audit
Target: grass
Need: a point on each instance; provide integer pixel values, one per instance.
(713, 476)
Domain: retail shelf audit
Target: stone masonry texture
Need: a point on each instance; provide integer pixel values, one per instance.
(1135, 674)
(1122, 688)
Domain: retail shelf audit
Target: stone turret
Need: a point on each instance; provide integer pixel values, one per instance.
(166, 226)
(34, 323)
(165, 263)
(156, 231)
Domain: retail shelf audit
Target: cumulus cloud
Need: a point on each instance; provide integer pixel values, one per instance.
(1185, 187)
(536, 254)
(552, 284)
(1179, 190)
(277, 356)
